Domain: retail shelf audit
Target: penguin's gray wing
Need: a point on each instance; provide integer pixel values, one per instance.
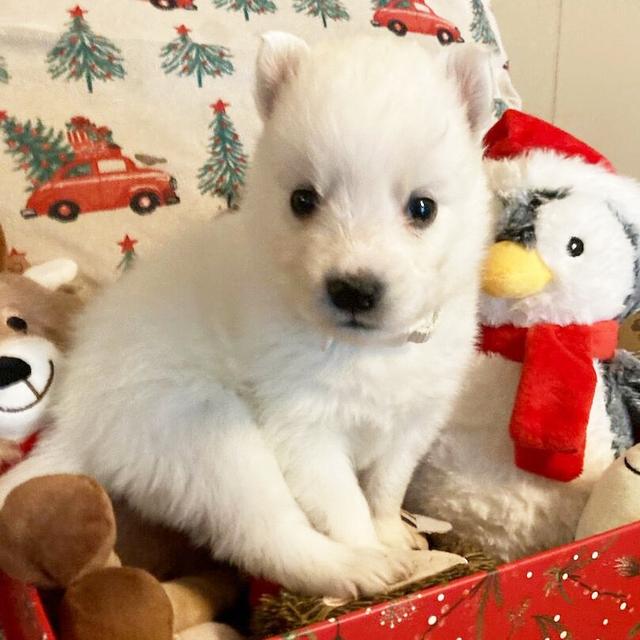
(622, 387)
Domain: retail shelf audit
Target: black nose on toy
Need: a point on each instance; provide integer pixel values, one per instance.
(13, 370)
(356, 294)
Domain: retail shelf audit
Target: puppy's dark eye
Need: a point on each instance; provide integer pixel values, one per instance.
(575, 247)
(17, 324)
(304, 202)
(422, 211)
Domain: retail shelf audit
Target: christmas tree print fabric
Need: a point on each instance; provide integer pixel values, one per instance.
(324, 9)
(186, 57)
(36, 149)
(80, 54)
(125, 121)
(4, 74)
(223, 173)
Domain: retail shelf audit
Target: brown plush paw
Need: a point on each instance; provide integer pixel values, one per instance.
(116, 604)
(54, 529)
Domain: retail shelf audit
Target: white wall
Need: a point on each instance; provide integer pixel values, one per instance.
(577, 63)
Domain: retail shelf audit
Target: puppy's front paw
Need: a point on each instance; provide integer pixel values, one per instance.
(373, 571)
(348, 573)
(396, 534)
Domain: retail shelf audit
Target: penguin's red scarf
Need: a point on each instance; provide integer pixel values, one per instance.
(557, 385)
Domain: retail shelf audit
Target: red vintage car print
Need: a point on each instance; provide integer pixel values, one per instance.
(106, 180)
(400, 16)
(167, 5)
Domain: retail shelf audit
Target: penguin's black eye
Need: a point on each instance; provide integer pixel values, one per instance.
(422, 211)
(304, 202)
(575, 247)
(17, 324)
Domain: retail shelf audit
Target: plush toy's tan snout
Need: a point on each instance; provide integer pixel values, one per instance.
(27, 371)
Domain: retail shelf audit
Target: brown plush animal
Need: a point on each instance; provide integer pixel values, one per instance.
(59, 532)
(34, 327)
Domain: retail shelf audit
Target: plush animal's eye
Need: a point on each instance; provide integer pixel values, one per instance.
(304, 202)
(17, 324)
(422, 211)
(575, 247)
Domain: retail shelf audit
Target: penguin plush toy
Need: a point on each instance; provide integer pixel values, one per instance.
(548, 402)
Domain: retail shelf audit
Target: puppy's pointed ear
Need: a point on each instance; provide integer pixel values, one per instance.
(278, 61)
(470, 67)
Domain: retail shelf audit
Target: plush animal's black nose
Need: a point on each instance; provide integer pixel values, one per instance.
(13, 370)
(356, 294)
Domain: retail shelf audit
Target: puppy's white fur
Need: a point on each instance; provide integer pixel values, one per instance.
(213, 386)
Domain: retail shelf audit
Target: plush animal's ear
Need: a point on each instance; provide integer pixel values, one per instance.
(3, 251)
(470, 66)
(278, 61)
(53, 274)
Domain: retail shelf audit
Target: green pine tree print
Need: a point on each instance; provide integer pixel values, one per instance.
(379, 4)
(83, 55)
(188, 58)
(36, 149)
(128, 251)
(247, 6)
(332, 9)
(4, 73)
(223, 173)
(480, 27)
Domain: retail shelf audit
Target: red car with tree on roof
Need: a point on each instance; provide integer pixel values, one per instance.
(400, 16)
(167, 5)
(99, 177)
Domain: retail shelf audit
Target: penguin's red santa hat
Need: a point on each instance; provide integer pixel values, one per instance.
(524, 151)
(518, 133)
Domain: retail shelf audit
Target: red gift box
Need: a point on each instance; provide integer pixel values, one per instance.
(587, 590)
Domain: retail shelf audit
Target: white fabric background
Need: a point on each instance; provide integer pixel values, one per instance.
(150, 112)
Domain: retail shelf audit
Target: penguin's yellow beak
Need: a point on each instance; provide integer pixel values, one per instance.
(513, 271)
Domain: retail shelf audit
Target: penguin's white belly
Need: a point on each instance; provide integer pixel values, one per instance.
(469, 476)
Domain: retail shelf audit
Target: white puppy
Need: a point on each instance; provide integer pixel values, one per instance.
(260, 384)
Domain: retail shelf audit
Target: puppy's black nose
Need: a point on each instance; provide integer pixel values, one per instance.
(355, 293)
(13, 370)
